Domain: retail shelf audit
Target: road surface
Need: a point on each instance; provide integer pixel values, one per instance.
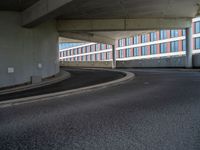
(159, 110)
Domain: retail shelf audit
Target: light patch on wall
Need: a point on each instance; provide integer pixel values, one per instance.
(11, 70)
(40, 66)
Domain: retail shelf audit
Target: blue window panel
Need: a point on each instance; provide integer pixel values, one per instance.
(97, 47)
(108, 55)
(173, 33)
(153, 49)
(197, 27)
(103, 46)
(184, 45)
(174, 46)
(153, 36)
(109, 46)
(163, 47)
(144, 38)
(144, 50)
(197, 43)
(128, 41)
(136, 51)
(121, 54)
(102, 56)
(163, 34)
(184, 32)
(128, 52)
(120, 43)
(135, 40)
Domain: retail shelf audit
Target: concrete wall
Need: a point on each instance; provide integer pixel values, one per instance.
(196, 60)
(178, 61)
(88, 64)
(30, 52)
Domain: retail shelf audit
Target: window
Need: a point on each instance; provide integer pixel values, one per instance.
(144, 38)
(83, 50)
(102, 56)
(174, 46)
(103, 46)
(136, 51)
(97, 47)
(74, 52)
(64, 53)
(184, 45)
(128, 41)
(108, 56)
(86, 58)
(163, 34)
(128, 52)
(121, 53)
(120, 43)
(92, 48)
(183, 32)
(96, 57)
(153, 49)
(163, 47)
(88, 49)
(91, 57)
(197, 43)
(135, 40)
(197, 27)
(153, 36)
(173, 33)
(109, 46)
(144, 50)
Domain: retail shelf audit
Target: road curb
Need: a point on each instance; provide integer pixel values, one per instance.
(128, 76)
(63, 75)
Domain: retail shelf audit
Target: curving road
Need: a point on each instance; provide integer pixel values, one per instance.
(159, 110)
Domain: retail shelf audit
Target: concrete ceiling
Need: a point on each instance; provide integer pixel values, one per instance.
(16, 5)
(107, 9)
(161, 13)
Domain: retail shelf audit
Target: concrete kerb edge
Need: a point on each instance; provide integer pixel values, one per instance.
(129, 76)
(63, 76)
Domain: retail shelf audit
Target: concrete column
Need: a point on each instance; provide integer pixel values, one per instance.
(189, 47)
(114, 57)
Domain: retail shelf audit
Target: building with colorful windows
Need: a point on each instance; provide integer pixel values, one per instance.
(163, 43)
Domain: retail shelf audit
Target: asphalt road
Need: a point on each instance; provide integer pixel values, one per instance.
(159, 110)
(79, 78)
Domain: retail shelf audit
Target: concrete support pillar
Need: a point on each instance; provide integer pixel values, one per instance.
(189, 47)
(114, 57)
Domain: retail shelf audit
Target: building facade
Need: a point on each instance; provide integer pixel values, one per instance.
(163, 43)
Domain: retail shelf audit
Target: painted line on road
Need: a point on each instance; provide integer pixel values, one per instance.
(128, 76)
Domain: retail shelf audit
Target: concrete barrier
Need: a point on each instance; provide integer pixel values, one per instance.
(162, 62)
(88, 64)
(166, 62)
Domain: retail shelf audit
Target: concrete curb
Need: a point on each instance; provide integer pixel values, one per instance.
(129, 76)
(63, 75)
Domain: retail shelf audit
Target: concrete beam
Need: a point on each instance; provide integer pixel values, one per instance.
(122, 24)
(68, 40)
(89, 37)
(42, 10)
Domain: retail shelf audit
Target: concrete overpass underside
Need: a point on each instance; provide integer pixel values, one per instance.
(30, 29)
